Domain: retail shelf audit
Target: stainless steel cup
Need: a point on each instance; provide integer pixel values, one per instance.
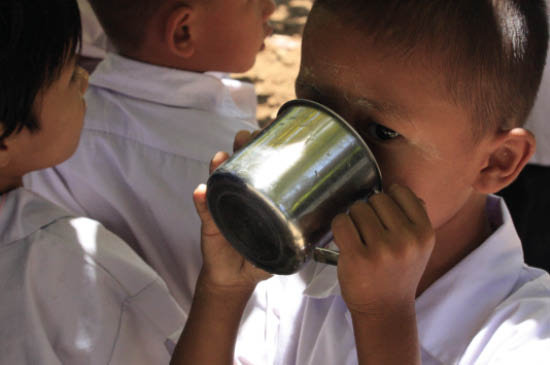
(274, 200)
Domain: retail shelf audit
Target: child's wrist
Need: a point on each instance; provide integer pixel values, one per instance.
(387, 334)
(384, 311)
(208, 287)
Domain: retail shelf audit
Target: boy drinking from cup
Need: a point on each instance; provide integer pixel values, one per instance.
(430, 270)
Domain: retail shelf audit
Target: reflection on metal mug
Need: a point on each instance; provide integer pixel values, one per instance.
(274, 200)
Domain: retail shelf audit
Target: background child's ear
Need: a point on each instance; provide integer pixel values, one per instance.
(179, 31)
(510, 153)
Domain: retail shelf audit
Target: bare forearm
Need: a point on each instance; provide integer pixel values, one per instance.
(387, 337)
(211, 330)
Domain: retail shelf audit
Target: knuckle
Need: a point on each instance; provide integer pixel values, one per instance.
(380, 254)
(402, 254)
(358, 207)
(405, 235)
(242, 135)
(405, 253)
(338, 221)
(377, 198)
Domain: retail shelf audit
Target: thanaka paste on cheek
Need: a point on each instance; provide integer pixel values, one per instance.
(428, 150)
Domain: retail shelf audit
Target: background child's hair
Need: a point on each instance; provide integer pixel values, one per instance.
(126, 21)
(37, 38)
(490, 52)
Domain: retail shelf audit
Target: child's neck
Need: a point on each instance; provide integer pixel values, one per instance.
(456, 239)
(8, 183)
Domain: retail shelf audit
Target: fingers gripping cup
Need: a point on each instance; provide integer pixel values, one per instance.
(274, 200)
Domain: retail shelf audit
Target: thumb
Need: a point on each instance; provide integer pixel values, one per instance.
(199, 198)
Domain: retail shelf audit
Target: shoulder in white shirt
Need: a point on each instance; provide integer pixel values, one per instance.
(147, 141)
(489, 309)
(73, 293)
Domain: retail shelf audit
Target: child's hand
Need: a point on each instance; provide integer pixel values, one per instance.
(224, 269)
(384, 246)
(223, 288)
(242, 138)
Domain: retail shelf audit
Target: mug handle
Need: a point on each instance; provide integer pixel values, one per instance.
(330, 257)
(326, 256)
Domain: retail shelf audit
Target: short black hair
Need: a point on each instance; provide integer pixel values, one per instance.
(491, 53)
(37, 38)
(126, 21)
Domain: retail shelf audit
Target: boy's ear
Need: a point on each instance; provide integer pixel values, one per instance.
(179, 31)
(510, 152)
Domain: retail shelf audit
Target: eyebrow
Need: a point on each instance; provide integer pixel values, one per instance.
(368, 105)
(382, 107)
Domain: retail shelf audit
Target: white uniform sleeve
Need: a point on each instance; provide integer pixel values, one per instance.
(94, 302)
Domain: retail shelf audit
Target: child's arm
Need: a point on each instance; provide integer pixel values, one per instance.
(225, 285)
(384, 246)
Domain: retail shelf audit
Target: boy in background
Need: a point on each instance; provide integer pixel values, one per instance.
(431, 270)
(72, 292)
(155, 117)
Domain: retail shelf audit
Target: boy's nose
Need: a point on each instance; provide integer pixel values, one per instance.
(269, 8)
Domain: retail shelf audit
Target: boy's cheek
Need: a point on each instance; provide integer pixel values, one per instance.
(390, 167)
(402, 166)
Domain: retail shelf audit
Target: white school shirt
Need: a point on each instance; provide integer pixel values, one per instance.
(74, 293)
(149, 135)
(489, 309)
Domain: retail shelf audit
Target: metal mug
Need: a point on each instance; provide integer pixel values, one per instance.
(274, 200)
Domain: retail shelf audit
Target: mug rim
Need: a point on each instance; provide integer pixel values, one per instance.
(332, 113)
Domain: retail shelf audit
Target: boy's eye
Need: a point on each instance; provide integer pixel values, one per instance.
(381, 133)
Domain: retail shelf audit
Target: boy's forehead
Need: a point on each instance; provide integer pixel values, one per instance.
(340, 47)
(331, 44)
(330, 85)
(358, 68)
(339, 69)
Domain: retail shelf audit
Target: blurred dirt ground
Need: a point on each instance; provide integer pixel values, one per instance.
(277, 65)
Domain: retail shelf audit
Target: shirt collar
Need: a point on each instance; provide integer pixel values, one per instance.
(24, 213)
(211, 91)
(452, 310)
